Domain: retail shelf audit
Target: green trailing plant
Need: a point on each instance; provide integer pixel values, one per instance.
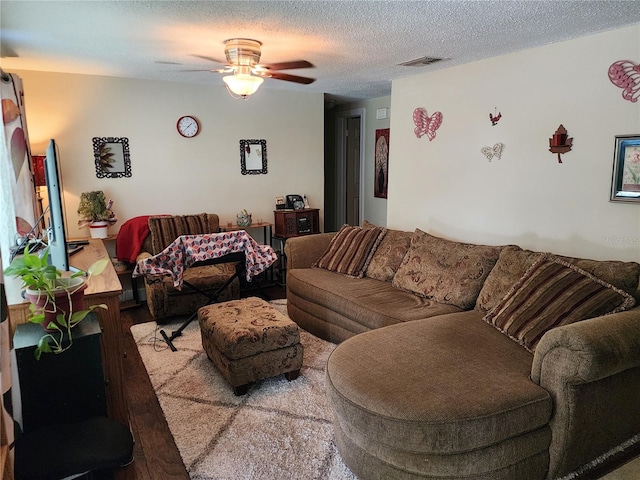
(94, 207)
(46, 280)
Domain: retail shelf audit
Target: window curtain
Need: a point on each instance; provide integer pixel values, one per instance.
(6, 411)
(18, 204)
(17, 216)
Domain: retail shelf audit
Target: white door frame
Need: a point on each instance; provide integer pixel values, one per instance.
(341, 167)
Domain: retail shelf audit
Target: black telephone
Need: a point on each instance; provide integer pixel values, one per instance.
(294, 202)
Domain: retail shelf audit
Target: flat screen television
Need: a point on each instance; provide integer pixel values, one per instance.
(56, 232)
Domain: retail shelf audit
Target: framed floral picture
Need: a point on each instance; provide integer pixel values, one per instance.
(625, 182)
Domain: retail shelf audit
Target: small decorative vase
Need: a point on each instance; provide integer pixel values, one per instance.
(98, 229)
(243, 219)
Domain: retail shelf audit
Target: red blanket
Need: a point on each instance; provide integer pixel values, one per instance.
(131, 237)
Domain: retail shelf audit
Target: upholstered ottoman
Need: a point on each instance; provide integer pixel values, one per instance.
(248, 340)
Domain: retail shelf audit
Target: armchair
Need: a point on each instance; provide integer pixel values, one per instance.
(163, 299)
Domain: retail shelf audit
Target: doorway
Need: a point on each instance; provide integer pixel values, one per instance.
(350, 167)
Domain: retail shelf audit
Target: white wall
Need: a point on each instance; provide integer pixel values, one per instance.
(448, 188)
(171, 174)
(375, 209)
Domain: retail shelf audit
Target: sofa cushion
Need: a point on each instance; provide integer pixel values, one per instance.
(355, 304)
(425, 391)
(514, 262)
(553, 293)
(389, 254)
(623, 275)
(165, 230)
(445, 271)
(351, 249)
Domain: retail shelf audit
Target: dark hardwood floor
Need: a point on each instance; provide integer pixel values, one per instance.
(156, 456)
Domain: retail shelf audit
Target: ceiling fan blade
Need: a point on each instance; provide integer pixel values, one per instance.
(289, 78)
(197, 70)
(211, 59)
(288, 65)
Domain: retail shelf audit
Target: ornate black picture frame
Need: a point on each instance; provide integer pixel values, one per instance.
(112, 157)
(253, 157)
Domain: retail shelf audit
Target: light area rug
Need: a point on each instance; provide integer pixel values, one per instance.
(278, 430)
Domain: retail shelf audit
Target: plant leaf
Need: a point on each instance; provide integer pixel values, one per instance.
(77, 317)
(101, 305)
(37, 318)
(98, 267)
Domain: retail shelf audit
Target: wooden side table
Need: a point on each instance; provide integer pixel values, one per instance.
(293, 223)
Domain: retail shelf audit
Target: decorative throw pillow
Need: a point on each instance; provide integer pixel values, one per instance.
(553, 293)
(389, 254)
(512, 264)
(164, 230)
(351, 249)
(445, 271)
(623, 275)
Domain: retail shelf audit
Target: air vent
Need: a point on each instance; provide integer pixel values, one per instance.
(421, 62)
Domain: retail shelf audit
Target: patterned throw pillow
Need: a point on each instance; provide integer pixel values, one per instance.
(351, 249)
(514, 262)
(445, 271)
(388, 256)
(550, 294)
(164, 230)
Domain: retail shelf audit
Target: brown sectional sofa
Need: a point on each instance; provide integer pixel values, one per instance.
(423, 385)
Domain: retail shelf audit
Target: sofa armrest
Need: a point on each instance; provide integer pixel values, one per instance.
(143, 255)
(591, 370)
(589, 350)
(303, 252)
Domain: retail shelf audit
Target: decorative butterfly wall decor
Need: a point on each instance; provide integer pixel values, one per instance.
(425, 124)
(626, 75)
(496, 151)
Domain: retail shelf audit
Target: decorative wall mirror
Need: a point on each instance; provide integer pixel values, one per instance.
(112, 157)
(253, 157)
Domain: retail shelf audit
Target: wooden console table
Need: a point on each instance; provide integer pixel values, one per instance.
(104, 288)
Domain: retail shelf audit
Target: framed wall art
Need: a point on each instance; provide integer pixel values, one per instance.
(253, 157)
(381, 176)
(625, 182)
(112, 157)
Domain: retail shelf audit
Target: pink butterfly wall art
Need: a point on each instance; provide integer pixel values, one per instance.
(425, 124)
(626, 75)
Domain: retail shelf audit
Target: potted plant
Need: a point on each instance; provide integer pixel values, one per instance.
(57, 302)
(95, 213)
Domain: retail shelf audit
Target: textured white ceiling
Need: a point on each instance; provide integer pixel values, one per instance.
(356, 46)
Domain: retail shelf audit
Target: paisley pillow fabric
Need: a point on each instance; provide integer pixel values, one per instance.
(553, 293)
(514, 262)
(445, 271)
(351, 249)
(389, 254)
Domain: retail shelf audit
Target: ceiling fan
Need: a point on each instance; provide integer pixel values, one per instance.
(243, 62)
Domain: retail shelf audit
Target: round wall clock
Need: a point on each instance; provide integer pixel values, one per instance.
(188, 126)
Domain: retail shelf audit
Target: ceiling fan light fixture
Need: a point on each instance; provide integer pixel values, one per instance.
(242, 84)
